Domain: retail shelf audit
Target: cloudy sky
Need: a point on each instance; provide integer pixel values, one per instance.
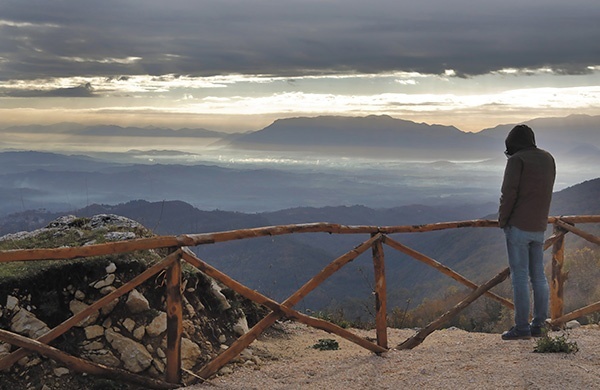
(237, 65)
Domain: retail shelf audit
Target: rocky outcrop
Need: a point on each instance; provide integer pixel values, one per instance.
(129, 332)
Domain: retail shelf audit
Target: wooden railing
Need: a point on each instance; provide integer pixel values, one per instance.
(179, 251)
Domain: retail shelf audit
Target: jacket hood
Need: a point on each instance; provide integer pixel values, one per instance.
(520, 137)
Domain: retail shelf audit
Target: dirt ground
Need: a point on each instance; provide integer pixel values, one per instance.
(284, 358)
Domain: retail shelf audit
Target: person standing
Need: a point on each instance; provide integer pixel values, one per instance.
(523, 215)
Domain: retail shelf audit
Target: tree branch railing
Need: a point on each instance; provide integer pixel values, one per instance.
(180, 252)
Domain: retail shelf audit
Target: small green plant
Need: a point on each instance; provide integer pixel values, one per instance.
(327, 345)
(559, 343)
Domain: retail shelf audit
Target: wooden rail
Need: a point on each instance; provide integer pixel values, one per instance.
(179, 252)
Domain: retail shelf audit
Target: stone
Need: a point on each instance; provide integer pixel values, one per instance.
(160, 353)
(158, 325)
(222, 339)
(94, 346)
(105, 357)
(129, 324)
(137, 302)
(94, 331)
(241, 326)
(134, 355)
(77, 306)
(4, 349)
(139, 332)
(60, 371)
(190, 352)
(107, 281)
(159, 365)
(107, 290)
(80, 295)
(119, 236)
(109, 307)
(215, 289)
(11, 302)
(28, 324)
(111, 268)
(572, 324)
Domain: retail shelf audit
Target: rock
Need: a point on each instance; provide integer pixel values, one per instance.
(222, 339)
(4, 349)
(160, 353)
(119, 236)
(129, 324)
(215, 289)
(104, 220)
(572, 324)
(94, 346)
(241, 326)
(109, 307)
(158, 325)
(225, 370)
(137, 302)
(107, 290)
(107, 281)
(111, 268)
(76, 306)
(60, 371)
(11, 302)
(134, 355)
(94, 331)
(28, 324)
(160, 366)
(79, 295)
(190, 352)
(104, 357)
(139, 332)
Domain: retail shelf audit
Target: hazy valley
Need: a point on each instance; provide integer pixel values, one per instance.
(372, 171)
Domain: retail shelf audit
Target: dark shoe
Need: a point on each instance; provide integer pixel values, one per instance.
(514, 334)
(538, 330)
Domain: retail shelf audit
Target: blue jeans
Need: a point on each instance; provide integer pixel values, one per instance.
(526, 262)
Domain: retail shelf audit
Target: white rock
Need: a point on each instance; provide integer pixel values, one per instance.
(158, 325)
(190, 352)
(111, 268)
(11, 302)
(241, 326)
(76, 306)
(79, 295)
(107, 281)
(28, 324)
(134, 355)
(137, 302)
(572, 324)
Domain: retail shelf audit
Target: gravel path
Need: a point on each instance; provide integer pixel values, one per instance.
(447, 359)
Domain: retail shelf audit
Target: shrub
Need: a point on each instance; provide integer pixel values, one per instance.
(559, 343)
(326, 345)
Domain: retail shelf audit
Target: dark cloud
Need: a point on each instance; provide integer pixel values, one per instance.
(294, 37)
(81, 91)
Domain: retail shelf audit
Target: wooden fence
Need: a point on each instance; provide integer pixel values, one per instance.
(179, 251)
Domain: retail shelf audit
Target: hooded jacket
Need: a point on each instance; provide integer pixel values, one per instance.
(528, 182)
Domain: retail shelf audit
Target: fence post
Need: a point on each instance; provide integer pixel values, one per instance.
(380, 294)
(558, 276)
(174, 322)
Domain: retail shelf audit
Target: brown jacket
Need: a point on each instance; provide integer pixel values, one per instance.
(527, 185)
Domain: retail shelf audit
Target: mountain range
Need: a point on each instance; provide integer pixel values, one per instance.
(387, 136)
